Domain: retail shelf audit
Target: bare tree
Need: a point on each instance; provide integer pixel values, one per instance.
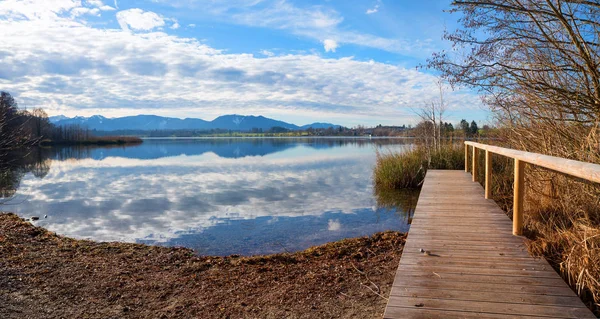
(12, 125)
(433, 112)
(40, 122)
(537, 65)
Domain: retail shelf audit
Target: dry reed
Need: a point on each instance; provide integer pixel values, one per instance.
(562, 221)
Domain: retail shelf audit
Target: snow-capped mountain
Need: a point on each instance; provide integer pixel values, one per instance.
(153, 122)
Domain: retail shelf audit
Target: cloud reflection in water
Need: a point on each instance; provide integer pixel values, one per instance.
(288, 198)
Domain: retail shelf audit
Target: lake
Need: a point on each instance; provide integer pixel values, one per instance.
(218, 196)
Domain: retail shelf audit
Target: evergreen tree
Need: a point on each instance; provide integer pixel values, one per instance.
(473, 129)
(464, 126)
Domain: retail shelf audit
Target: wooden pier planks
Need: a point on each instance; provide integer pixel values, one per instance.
(475, 268)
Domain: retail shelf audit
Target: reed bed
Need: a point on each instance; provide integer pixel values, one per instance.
(406, 170)
(561, 219)
(96, 140)
(399, 170)
(115, 139)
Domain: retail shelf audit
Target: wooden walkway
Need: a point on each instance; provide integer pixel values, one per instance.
(475, 268)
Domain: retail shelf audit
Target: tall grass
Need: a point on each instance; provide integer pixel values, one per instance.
(399, 170)
(449, 156)
(406, 170)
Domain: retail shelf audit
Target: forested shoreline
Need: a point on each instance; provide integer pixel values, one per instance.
(20, 128)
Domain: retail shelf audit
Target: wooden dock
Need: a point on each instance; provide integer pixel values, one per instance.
(475, 267)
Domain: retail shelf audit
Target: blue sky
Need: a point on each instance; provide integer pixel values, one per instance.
(345, 61)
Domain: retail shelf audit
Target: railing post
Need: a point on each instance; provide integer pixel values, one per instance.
(466, 158)
(519, 192)
(488, 174)
(474, 171)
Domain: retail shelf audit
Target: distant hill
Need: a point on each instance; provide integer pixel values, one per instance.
(317, 125)
(247, 123)
(57, 118)
(153, 122)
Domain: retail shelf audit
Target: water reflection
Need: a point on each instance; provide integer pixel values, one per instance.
(218, 196)
(15, 164)
(399, 200)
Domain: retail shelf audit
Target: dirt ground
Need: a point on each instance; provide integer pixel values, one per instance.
(43, 275)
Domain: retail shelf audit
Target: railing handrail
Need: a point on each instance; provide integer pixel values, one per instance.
(583, 170)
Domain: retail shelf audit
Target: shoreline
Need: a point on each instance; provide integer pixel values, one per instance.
(91, 143)
(42, 273)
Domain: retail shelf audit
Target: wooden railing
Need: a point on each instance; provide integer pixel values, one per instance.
(583, 170)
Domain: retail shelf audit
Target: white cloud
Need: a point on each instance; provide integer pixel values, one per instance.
(374, 10)
(33, 9)
(139, 20)
(330, 45)
(51, 9)
(282, 15)
(174, 23)
(81, 11)
(106, 8)
(100, 5)
(192, 25)
(98, 70)
(267, 53)
(316, 22)
(95, 3)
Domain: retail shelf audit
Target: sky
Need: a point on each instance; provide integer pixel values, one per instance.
(349, 62)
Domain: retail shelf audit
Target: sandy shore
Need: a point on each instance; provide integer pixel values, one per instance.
(43, 275)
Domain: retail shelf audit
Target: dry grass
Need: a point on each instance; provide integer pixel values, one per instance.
(562, 221)
(562, 214)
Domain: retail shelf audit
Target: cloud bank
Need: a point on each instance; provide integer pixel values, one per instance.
(55, 59)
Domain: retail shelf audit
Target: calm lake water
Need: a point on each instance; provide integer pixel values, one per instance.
(217, 196)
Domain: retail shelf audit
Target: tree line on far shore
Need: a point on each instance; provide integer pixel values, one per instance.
(26, 128)
(20, 128)
(32, 127)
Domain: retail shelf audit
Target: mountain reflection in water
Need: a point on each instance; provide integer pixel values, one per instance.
(219, 196)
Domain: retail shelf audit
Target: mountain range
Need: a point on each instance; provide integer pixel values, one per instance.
(232, 122)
